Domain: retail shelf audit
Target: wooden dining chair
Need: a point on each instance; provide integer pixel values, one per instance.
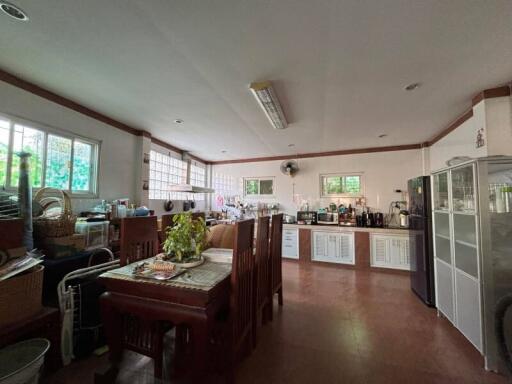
(262, 277)
(276, 239)
(241, 306)
(139, 239)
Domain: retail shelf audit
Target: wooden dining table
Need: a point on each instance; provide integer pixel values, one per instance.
(193, 298)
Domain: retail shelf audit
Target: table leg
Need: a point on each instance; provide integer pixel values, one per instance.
(112, 322)
(200, 341)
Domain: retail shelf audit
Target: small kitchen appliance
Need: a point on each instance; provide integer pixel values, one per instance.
(378, 220)
(328, 218)
(307, 217)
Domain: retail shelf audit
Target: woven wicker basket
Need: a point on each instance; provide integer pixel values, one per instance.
(21, 296)
(59, 225)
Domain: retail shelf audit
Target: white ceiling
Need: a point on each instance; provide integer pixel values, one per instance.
(339, 67)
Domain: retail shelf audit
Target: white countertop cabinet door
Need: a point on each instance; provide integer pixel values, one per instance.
(390, 251)
(333, 247)
(290, 245)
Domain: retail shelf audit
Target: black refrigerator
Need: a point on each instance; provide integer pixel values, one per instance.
(420, 241)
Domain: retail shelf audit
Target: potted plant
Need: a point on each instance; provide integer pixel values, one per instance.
(186, 239)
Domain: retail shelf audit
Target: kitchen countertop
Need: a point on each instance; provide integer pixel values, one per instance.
(336, 228)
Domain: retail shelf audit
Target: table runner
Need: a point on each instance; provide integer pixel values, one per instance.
(203, 277)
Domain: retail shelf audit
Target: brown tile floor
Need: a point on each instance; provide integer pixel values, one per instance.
(339, 326)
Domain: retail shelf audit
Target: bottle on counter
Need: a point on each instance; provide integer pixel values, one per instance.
(371, 219)
(364, 218)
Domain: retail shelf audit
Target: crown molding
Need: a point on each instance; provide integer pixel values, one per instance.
(491, 93)
(73, 105)
(18, 82)
(322, 154)
(454, 125)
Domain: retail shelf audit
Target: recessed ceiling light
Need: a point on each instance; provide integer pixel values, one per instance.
(178, 121)
(412, 87)
(382, 135)
(291, 145)
(13, 11)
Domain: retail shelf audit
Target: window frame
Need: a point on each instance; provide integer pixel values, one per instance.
(47, 130)
(323, 193)
(260, 179)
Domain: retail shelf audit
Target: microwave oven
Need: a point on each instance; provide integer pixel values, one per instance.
(330, 218)
(306, 217)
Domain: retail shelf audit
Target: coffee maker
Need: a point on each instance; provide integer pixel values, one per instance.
(379, 220)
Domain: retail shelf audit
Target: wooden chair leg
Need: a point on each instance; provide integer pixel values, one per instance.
(280, 296)
(158, 343)
(158, 365)
(180, 350)
(255, 329)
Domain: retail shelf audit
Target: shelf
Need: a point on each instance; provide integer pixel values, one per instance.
(461, 242)
(443, 236)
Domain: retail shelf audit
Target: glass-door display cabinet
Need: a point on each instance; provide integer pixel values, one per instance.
(472, 218)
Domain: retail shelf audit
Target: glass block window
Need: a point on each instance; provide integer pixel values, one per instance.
(198, 179)
(224, 185)
(164, 171)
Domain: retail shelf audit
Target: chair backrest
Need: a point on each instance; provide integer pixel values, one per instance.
(276, 239)
(11, 233)
(262, 261)
(139, 239)
(241, 302)
(221, 236)
(167, 221)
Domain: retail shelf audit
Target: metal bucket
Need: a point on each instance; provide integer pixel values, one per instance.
(20, 363)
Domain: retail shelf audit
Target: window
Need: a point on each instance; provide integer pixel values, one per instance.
(259, 186)
(341, 185)
(164, 171)
(198, 179)
(224, 185)
(57, 160)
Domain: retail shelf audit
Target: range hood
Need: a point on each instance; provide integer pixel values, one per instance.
(188, 188)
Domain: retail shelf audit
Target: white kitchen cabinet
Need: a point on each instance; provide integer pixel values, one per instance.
(472, 225)
(456, 249)
(333, 247)
(290, 243)
(390, 251)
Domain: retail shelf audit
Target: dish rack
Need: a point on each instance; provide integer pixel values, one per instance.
(76, 301)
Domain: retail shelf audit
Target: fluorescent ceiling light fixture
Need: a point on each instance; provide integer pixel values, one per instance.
(267, 99)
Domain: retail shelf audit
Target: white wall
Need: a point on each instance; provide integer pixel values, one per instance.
(495, 117)
(498, 120)
(118, 166)
(383, 173)
(459, 142)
